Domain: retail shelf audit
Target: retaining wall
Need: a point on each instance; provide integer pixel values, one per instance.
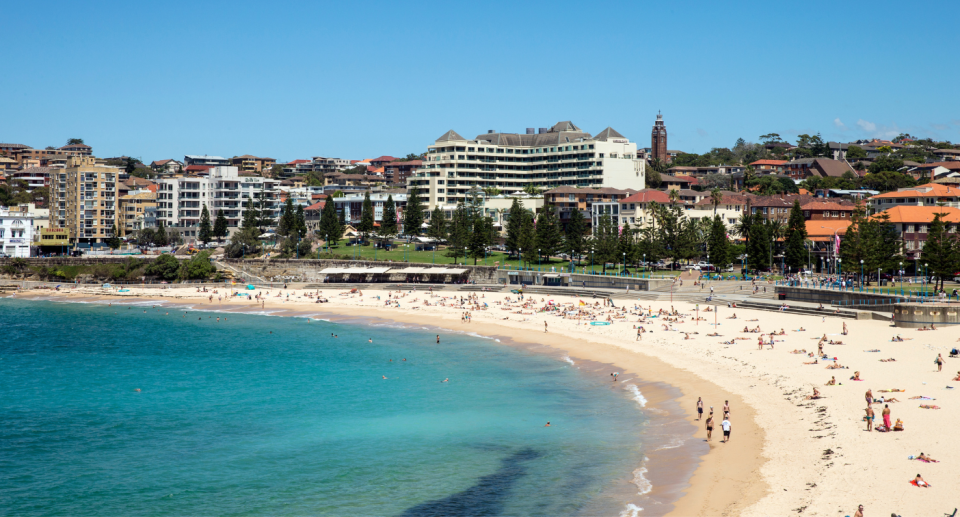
(915, 315)
(308, 270)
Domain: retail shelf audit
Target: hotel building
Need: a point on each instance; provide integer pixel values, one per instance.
(83, 199)
(561, 156)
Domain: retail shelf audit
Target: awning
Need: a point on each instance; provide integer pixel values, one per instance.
(551, 275)
(353, 270)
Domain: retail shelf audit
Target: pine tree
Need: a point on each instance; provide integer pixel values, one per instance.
(329, 229)
(718, 244)
(438, 226)
(480, 237)
(160, 236)
(549, 237)
(366, 217)
(413, 213)
(250, 216)
(514, 226)
(576, 235)
(287, 219)
(459, 237)
(527, 237)
(388, 223)
(941, 253)
(605, 241)
(300, 222)
(220, 229)
(626, 248)
(795, 254)
(205, 232)
(758, 250)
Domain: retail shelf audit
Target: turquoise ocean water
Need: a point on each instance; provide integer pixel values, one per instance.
(232, 419)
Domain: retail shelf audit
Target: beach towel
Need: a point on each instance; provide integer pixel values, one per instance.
(914, 483)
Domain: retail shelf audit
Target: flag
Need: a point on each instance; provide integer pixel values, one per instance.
(836, 243)
(620, 230)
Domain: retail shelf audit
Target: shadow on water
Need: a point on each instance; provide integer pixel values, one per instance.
(487, 497)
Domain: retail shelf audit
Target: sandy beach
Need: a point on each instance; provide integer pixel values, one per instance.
(786, 455)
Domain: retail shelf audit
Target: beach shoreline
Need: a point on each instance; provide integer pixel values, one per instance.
(788, 453)
(672, 479)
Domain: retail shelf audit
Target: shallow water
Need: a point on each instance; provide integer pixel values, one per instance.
(262, 415)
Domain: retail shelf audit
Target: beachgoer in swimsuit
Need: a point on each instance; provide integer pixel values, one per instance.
(870, 415)
(699, 408)
(709, 427)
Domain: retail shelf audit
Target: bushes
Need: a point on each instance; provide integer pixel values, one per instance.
(165, 267)
(199, 267)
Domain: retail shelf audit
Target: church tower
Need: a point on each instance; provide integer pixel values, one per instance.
(658, 140)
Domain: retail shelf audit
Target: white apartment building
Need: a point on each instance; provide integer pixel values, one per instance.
(562, 155)
(352, 205)
(16, 233)
(180, 201)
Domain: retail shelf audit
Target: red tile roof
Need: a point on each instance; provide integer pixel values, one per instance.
(769, 162)
(921, 214)
(197, 168)
(648, 196)
(315, 206)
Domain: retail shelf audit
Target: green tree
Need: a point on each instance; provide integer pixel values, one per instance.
(413, 213)
(514, 226)
(74, 141)
(160, 236)
(605, 241)
(130, 166)
(576, 235)
(114, 240)
(165, 267)
(205, 232)
(795, 254)
(438, 226)
(198, 267)
(886, 181)
(716, 197)
(855, 152)
(527, 239)
(459, 237)
(243, 243)
(145, 237)
(885, 163)
(250, 215)
(220, 229)
(718, 244)
(329, 228)
(388, 223)
(941, 252)
(652, 179)
(287, 222)
(366, 216)
(481, 236)
(549, 235)
(854, 246)
(301, 222)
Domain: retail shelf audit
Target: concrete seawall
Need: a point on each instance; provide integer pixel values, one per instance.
(916, 315)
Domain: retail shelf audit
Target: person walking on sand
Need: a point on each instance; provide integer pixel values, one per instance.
(870, 416)
(869, 397)
(699, 408)
(544, 326)
(639, 332)
(859, 512)
(726, 406)
(939, 362)
(844, 329)
(726, 425)
(709, 427)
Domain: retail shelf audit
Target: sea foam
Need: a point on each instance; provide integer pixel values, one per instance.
(632, 388)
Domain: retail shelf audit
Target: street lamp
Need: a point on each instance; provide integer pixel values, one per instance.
(924, 285)
(840, 272)
(644, 262)
(624, 264)
(861, 275)
(538, 258)
(520, 259)
(900, 273)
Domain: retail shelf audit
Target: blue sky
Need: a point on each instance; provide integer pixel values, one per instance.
(361, 79)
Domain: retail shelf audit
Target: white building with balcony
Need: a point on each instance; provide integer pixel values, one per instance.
(561, 156)
(16, 233)
(180, 201)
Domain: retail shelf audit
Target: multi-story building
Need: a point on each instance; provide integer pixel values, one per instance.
(352, 205)
(16, 233)
(193, 159)
(168, 166)
(591, 202)
(248, 163)
(35, 177)
(769, 166)
(79, 149)
(83, 199)
(398, 172)
(815, 210)
(39, 215)
(637, 209)
(730, 208)
(562, 156)
(180, 201)
(807, 167)
(931, 194)
(913, 224)
(703, 171)
(134, 208)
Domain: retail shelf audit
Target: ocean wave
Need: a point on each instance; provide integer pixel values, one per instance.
(676, 442)
(632, 388)
(631, 510)
(567, 359)
(643, 484)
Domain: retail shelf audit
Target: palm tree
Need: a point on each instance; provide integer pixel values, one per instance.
(716, 196)
(674, 196)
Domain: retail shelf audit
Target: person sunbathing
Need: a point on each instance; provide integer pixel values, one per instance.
(929, 406)
(745, 329)
(921, 397)
(836, 366)
(714, 335)
(856, 376)
(928, 459)
(815, 396)
(920, 482)
(891, 399)
(814, 362)
(801, 329)
(832, 381)
(894, 390)
(795, 351)
(874, 350)
(890, 360)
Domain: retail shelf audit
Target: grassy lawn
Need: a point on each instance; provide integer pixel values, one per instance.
(496, 258)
